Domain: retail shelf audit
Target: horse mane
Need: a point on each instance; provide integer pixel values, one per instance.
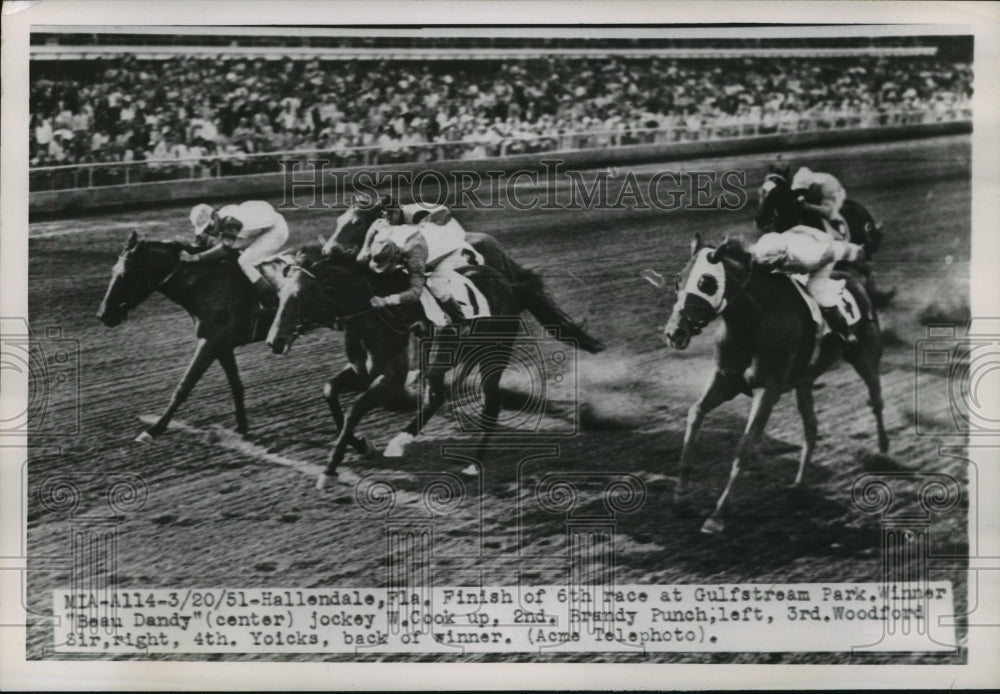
(173, 245)
(309, 255)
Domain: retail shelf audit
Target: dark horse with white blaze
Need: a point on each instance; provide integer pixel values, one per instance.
(217, 295)
(337, 290)
(764, 348)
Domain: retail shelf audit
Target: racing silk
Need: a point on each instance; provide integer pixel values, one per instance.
(803, 249)
(431, 255)
(441, 240)
(413, 259)
(252, 218)
(820, 187)
(825, 196)
(414, 213)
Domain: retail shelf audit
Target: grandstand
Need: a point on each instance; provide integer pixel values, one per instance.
(116, 105)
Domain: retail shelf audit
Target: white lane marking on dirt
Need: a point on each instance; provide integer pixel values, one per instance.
(234, 442)
(111, 226)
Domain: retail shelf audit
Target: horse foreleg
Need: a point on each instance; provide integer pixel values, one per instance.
(720, 389)
(350, 379)
(204, 355)
(375, 395)
(228, 362)
(804, 399)
(763, 402)
(435, 398)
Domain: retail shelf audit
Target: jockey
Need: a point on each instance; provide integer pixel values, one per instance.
(803, 249)
(822, 194)
(430, 251)
(254, 228)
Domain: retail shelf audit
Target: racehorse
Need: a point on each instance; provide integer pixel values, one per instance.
(353, 224)
(764, 348)
(336, 290)
(217, 295)
(779, 209)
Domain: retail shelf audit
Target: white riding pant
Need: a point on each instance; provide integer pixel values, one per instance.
(824, 288)
(807, 250)
(265, 246)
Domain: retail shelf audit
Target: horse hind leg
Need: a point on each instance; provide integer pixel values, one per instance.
(804, 400)
(396, 448)
(204, 355)
(490, 415)
(350, 379)
(865, 360)
(228, 362)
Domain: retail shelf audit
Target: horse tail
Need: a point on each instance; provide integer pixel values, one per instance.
(530, 293)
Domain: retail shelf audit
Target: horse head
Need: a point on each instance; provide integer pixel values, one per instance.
(131, 282)
(776, 203)
(316, 289)
(353, 223)
(703, 287)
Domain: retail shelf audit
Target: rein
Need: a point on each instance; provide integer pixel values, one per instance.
(350, 317)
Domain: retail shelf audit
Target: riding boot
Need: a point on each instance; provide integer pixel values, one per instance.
(266, 295)
(838, 324)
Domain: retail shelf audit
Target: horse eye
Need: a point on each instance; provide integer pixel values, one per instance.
(708, 285)
(286, 270)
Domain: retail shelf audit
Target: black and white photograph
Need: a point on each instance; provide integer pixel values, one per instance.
(649, 345)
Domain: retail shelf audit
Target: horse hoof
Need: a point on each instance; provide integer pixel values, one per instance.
(411, 378)
(712, 526)
(324, 480)
(144, 437)
(398, 445)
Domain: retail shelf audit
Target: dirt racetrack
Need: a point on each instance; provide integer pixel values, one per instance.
(223, 512)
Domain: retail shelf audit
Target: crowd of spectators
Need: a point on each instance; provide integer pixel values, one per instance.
(128, 110)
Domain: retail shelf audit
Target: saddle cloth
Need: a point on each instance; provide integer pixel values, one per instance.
(846, 304)
(463, 291)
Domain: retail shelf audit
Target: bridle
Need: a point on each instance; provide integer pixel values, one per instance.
(339, 322)
(127, 306)
(696, 325)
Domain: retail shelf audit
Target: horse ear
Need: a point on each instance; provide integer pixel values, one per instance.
(696, 243)
(133, 239)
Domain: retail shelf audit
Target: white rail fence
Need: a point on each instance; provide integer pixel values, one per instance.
(100, 174)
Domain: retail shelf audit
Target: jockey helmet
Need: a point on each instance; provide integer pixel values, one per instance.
(202, 217)
(385, 255)
(392, 211)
